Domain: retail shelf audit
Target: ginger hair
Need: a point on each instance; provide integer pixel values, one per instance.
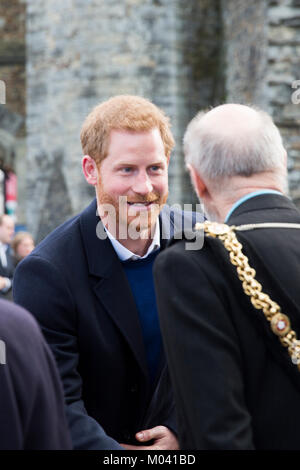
(125, 113)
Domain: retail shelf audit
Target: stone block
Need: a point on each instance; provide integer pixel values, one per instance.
(10, 121)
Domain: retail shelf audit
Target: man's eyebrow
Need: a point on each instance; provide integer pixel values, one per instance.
(124, 164)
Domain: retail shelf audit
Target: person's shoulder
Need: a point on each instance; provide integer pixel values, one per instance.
(59, 236)
(174, 220)
(63, 239)
(191, 245)
(16, 323)
(203, 258)
(184, 245)
(175, 211)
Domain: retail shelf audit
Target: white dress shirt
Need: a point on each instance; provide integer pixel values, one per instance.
(124, 254)
(3, 259)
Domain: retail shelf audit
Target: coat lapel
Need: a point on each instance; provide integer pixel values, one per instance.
(110, 284)
(109, 281)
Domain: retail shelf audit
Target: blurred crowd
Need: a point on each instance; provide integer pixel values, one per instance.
(14, 246)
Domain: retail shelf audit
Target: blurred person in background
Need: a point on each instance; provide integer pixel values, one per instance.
(7, 228)
(22, 245)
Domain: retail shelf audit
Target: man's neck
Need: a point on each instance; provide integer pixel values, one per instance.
(224, 200)
(138, 247)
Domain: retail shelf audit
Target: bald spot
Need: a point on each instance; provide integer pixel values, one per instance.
(232, 121)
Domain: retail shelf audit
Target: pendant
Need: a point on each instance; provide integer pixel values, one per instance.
(280, 324)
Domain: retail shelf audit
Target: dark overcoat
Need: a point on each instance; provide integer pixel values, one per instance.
(32, 415)
(235, 385)
(76, 287)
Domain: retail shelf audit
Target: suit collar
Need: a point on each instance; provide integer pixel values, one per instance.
(249, 196)
(259, 204)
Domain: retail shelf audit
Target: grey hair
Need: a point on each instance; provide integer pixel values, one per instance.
(217, 157)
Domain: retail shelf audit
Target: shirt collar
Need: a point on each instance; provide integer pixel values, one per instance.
(124, 254)
(249, 196)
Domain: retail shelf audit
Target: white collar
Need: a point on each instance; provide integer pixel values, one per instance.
(124, 254)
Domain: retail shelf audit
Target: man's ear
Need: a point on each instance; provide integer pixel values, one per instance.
(90, 171)
(197, 181)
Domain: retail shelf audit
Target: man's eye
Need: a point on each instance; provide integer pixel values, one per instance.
(156, 168)
(126, 169)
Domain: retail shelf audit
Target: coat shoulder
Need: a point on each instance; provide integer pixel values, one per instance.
(64, 239)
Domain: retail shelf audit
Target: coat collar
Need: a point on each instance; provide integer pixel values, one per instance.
(258, 207)
(101, 257)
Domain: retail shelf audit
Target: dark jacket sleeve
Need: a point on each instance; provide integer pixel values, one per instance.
(203, 355)
(53, 306)
(32, 404)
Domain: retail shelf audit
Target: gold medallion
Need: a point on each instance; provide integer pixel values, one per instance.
(213, 229)
(280, 324)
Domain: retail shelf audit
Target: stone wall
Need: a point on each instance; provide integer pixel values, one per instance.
(245, 47)
(200, 74)
(262, 55)
(12, 113)
(283, 70)
(12, 55)
(184, 56)
(145, 47)
(101, 50)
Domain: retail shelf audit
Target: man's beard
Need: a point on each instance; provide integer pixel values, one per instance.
(124, 221)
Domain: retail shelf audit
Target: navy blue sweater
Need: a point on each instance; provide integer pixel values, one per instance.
(140, 278)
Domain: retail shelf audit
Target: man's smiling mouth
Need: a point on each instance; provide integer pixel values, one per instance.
(139, 203)
(142, 205)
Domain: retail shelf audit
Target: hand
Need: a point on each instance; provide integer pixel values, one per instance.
(2, 283)
(163, 438)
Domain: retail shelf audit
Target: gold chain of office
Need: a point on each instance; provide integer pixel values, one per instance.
(279, 322)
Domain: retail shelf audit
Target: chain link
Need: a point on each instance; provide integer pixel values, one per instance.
(279, 322)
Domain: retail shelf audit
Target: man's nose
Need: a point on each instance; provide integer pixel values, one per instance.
(142, 184)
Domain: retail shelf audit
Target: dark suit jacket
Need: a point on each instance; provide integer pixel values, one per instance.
(76, 287)
(31, 405)
(7, 271)
(234, 383)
